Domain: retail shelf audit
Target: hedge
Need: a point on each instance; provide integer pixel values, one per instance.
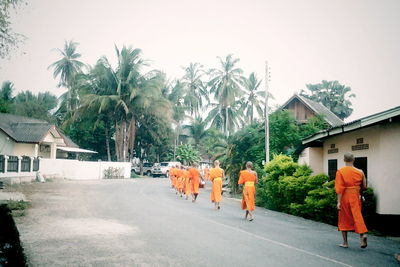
(289, 187)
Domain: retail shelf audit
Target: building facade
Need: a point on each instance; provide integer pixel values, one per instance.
(375, 143)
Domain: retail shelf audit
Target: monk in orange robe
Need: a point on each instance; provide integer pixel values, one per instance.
(180, 180)
(248, 178)
(348, 183)
(171, 175)
(195, 181)
(186, 183)
(216, 176)
(206, 173)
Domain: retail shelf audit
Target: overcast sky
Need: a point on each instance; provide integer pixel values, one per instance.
(356, 42)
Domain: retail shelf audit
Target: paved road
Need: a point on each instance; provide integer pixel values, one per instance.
(141, 222)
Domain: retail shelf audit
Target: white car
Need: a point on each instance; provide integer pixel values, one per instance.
(162, 169)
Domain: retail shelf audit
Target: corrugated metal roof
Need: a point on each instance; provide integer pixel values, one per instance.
(356, 124)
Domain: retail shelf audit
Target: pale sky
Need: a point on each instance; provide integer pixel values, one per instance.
(356, 42)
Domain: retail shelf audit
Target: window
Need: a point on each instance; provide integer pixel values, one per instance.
(12, 164)
(332, 168)
(25, 164)
(362, 163)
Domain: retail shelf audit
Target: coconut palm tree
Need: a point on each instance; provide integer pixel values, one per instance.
(252, 102)
(195, 89)
(126, 96)
(225, 84)
(67, 68)
(197, 130)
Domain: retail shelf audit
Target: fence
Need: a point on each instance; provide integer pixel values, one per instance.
(17, 169)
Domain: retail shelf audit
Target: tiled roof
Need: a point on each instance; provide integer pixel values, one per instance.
(332, 119)
(28, 130)
(318, 108)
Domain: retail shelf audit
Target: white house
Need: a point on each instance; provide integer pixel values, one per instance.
(375, 142)
(29, 145)
(23, 136)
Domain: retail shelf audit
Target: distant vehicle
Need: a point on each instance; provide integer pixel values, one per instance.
(146, 169)
(162, 169)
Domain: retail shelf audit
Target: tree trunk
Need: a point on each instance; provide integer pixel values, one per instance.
(131, 137)
(116, 141)
(125, 139)
(107, 142)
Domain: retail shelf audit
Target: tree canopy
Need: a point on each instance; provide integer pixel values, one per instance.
(333, 95)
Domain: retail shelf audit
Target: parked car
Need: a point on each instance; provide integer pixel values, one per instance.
(162, 169)
(146, 168)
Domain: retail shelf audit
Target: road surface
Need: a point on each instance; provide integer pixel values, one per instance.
(141, 222)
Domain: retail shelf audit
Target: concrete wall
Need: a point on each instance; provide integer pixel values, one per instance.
(6, 144)
(22, 149)
(383, 156)
(313, 157)
(80, 170)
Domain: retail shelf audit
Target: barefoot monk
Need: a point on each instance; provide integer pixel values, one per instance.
(348, 183)
(248, 178)
(216, 176)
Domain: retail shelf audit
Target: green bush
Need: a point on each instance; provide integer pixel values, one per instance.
(289, 187)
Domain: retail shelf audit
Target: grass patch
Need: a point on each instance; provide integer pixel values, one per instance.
(17, 207)
(134, 175)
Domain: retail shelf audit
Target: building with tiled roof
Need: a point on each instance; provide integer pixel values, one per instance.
(23, 136)
(303, 109)
(375, 142)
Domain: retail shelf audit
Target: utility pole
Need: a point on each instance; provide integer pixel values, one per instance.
(266, 114)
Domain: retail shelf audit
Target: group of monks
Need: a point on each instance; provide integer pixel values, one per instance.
(186, 182)
(349, 182)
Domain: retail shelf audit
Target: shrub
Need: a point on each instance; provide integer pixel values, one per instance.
(289, 187)
(113, 173)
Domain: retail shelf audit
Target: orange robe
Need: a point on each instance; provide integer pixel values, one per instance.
(187, 187)
(179, 179)
(347, 183)
(249, 190)
(207, 174)
(172, 176)
(216, 189)
(195, 180)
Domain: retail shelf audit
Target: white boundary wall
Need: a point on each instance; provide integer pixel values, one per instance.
(80, 170)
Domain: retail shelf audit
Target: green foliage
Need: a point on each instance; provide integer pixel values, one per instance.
(187, 154)
(245, 145)
(8, 38)
(290, 187)
(332, 95)
(35, 106)
(113, 173)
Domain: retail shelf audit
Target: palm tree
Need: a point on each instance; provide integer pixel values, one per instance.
(176, 98)
(225, 84)
(67, 68)
(197, 130)
(195, 89)
(125, 96)
(251, 102)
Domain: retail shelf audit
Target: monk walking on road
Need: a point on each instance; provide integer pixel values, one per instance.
(195, 181)
(216, 176)
(248, 178)
(206, 173)
(348, 183)
(186, 184)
